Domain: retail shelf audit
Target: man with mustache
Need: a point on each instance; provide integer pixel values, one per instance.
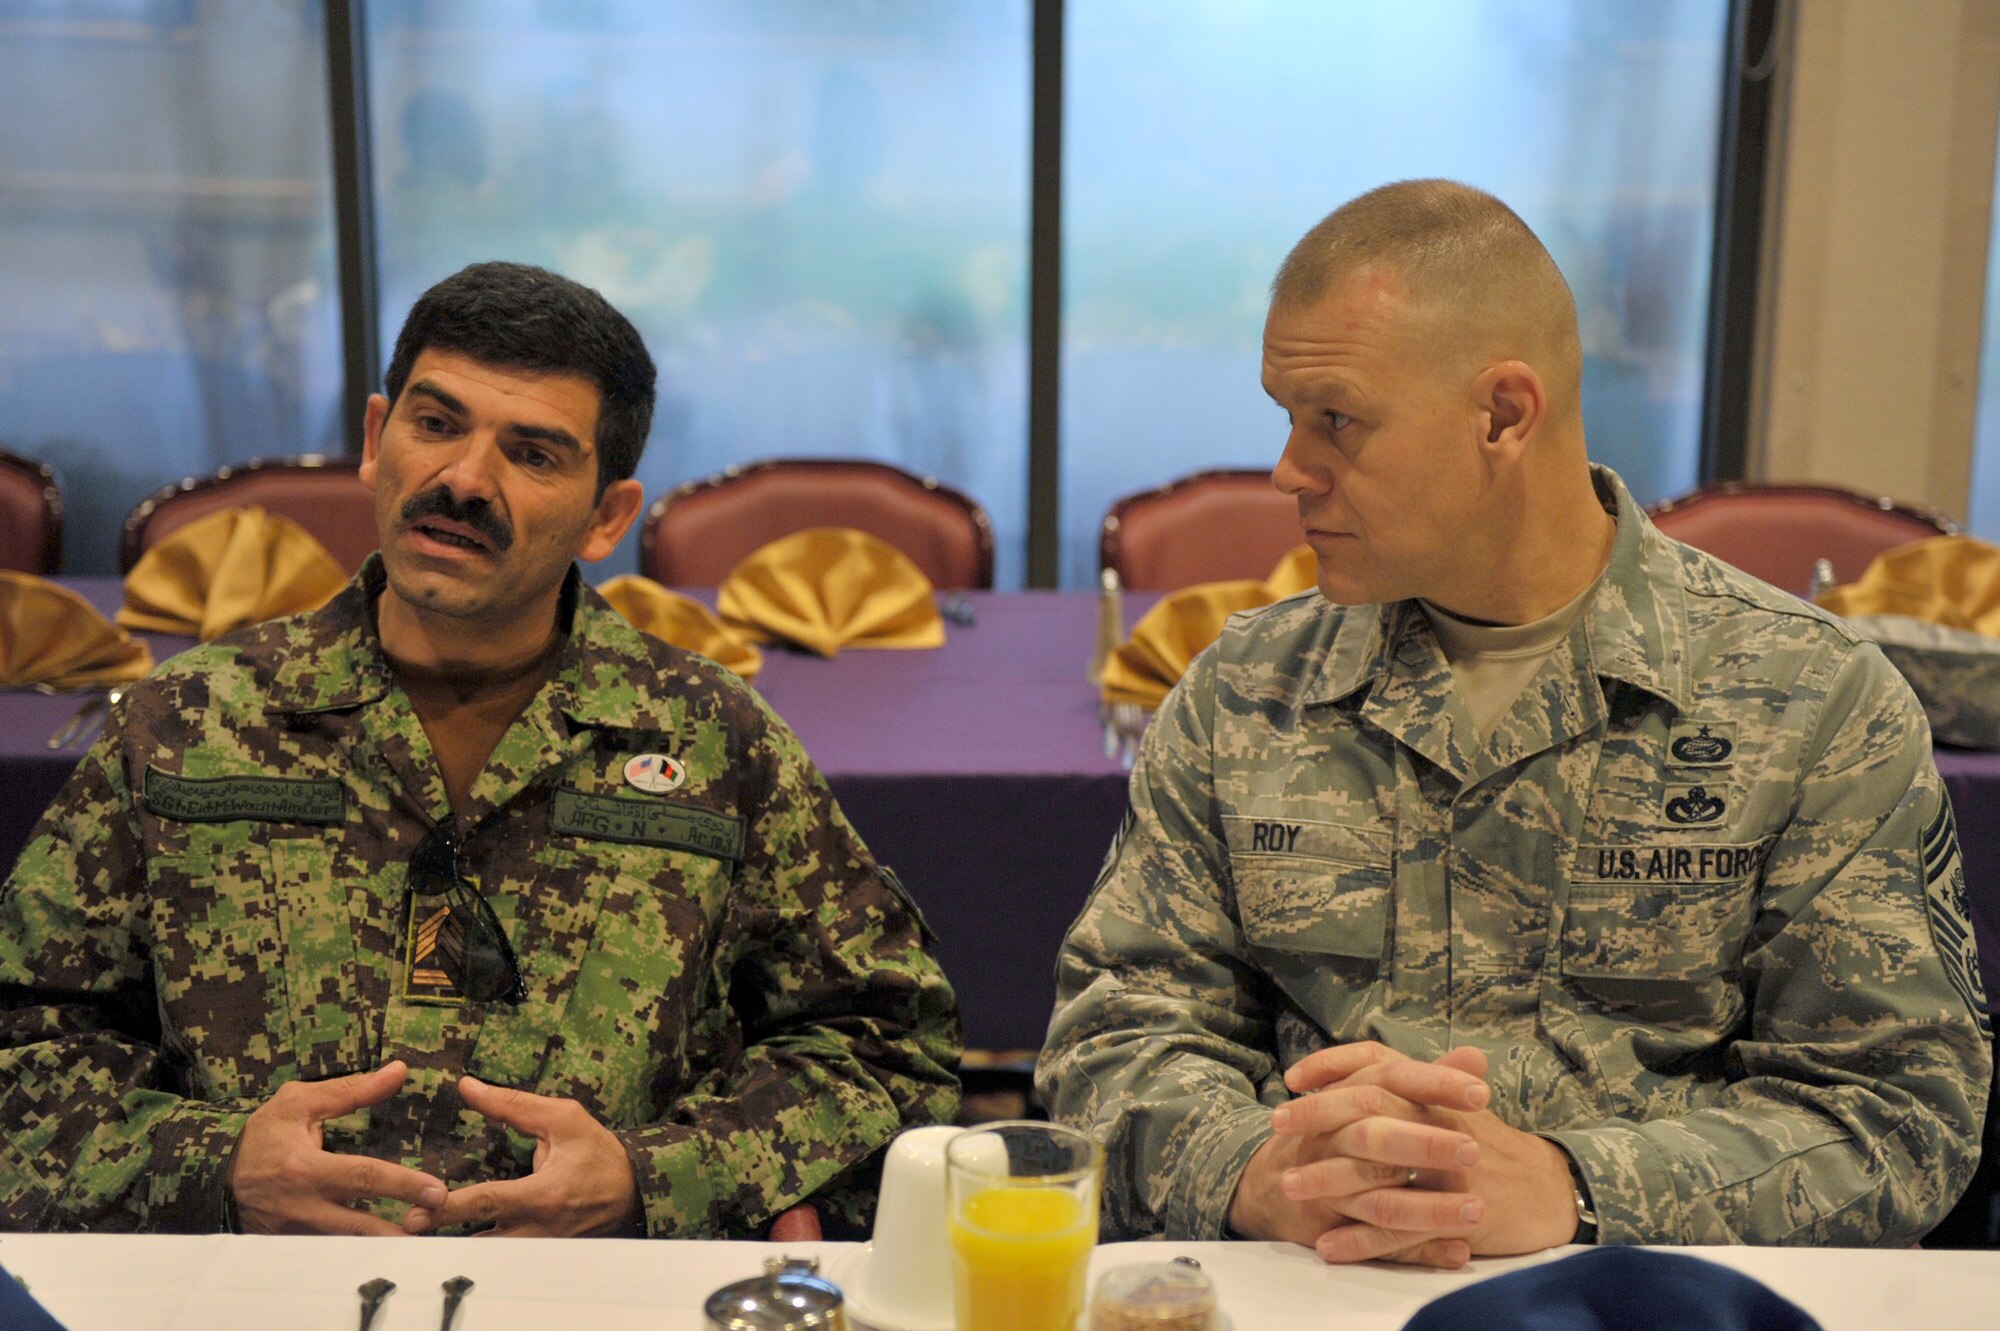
(1537, 879)
(458, 902)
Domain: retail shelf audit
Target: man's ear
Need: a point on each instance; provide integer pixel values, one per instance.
(617, 509)
(1511, 402)
(371, 437)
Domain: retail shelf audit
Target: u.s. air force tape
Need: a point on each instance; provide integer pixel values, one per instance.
(647, 823)
(264, 799)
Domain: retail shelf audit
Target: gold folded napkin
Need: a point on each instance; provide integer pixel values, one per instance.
(1297, 572)
(1176, 630)
(235, 567)
(1948, 580)
(50, 635)
(832, 587)
(686, 623)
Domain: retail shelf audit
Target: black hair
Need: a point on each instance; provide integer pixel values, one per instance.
(526, 318)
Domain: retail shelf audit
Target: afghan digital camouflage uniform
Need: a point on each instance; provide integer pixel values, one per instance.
(1699, 900)
(720, 973)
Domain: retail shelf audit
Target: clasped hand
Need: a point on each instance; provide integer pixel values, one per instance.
(1384, 1156)
(286, 1182)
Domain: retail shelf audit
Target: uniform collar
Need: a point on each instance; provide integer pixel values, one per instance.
(334, 659)
(1636, 624)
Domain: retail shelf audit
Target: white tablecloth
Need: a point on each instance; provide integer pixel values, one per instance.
(223, 1283)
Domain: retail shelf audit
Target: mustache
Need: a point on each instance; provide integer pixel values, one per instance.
(474, 513)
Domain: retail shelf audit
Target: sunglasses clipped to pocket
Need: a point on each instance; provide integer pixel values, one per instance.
(457, 949)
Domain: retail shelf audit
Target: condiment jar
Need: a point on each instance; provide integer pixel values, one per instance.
(1153, 1296)
(789, 1296)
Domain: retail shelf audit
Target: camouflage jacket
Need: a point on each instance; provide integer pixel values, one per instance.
(1699, 899)
(721, 974)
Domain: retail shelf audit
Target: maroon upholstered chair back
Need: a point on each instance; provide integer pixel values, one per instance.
(1207, 527)
(323, 495)
(1777, 531)
(30, 516)
(696, 534)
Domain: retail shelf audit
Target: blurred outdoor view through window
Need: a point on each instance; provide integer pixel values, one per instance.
(817, 213)
(1202, 140)
(166, 247)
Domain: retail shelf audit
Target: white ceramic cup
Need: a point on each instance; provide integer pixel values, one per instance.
(902, 1280)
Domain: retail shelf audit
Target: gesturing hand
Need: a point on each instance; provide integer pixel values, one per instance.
(1368, 1104)
(286, 1182)
(582, 1181)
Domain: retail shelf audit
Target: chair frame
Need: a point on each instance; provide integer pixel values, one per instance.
(129, 548)
(1110, 533)
(1861, 499)
(982, 524)
(52, 513)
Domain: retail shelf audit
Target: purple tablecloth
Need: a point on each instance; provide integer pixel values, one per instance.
(977, 771)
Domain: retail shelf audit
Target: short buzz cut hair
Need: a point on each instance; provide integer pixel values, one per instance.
(520, 317)
(1459, 251)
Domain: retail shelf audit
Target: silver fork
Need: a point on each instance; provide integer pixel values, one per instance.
(79, 726)
(1124, 724)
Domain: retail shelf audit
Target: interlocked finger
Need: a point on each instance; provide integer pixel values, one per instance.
(1341, 1176)
(1393, 1141)
(1445, 1254)
(1327, 1067)
(1365, 1243)
(1413, 1209)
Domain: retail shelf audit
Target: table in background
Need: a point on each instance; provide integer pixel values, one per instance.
(977, 771)
(108, 1282)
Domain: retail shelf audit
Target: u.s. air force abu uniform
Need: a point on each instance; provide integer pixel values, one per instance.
(218, 904)
(1698, 898)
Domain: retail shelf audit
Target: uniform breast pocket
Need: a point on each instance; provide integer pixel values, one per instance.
(1651, 966)
(1660, 913)
(1688, 932)
(1314, 907)
(628, 977)
(1310, 888)
(218, 965)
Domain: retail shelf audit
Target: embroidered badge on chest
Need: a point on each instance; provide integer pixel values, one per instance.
(655, 773)
(1692, 806)
(434, 948)
(1702, 743)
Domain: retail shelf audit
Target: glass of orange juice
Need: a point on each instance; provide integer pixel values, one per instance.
(1022, 1207)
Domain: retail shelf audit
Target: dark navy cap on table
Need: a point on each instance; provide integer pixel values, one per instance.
(18, 1309)
(1615, 1289)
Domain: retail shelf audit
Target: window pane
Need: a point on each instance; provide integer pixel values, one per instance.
(1203, 139)
(171, 302)
(816, 214)
(1984, 519)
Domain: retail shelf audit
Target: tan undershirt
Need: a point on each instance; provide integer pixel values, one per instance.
(1493, 663)
(464, 716)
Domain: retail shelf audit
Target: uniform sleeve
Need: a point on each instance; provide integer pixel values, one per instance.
(1162, 1042)
(93, 1134)
(852, 1033)
(1859, 1088)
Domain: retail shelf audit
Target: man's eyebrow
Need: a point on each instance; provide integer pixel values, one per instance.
(547, 434)
(442, 398)
(1319, 393)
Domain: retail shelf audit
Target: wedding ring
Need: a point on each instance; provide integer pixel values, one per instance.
(1411, 1181)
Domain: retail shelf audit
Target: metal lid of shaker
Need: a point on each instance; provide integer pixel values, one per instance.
(789, 1296)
